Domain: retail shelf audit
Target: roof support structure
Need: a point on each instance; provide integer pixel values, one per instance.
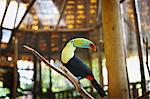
(61, 14)
(31, 4)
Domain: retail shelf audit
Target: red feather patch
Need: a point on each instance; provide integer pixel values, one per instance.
(89, 77)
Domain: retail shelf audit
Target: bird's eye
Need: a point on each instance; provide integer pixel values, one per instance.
(72, 41)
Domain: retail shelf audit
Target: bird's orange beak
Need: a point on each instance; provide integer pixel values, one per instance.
(92, 47)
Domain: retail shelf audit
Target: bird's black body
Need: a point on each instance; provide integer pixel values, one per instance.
(77, 67)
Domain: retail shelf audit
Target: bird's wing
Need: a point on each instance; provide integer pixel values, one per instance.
(78, 68)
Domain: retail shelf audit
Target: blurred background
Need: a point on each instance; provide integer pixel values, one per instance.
(46, 25)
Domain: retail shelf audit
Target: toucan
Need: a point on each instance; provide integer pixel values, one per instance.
(74, 64)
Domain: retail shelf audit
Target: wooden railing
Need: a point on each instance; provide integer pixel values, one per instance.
(135, 91)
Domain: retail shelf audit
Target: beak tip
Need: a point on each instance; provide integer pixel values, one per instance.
(95, 50)
(93, 47)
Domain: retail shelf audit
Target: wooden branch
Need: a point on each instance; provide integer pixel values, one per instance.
(64, 72)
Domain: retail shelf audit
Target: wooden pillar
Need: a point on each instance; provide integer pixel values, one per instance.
(15, 82)
(35, 78)
(139, 45)
(114, 50)
(100, 43)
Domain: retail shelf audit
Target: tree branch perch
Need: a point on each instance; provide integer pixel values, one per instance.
(64, 72)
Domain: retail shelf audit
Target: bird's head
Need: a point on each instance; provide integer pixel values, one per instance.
(83, 43)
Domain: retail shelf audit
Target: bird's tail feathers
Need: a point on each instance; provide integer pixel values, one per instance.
(98, 88)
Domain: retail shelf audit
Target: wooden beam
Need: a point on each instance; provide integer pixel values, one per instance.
(31, 4)
(61, 14)
(62, 30)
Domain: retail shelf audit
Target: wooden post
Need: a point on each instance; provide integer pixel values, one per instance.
(100, 42)
(35, 85)
(15, 83)
(114, 50)
(139, 45)
(147, 62)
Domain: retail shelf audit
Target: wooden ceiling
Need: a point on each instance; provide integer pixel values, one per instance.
(73, 18)
(68, 14)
